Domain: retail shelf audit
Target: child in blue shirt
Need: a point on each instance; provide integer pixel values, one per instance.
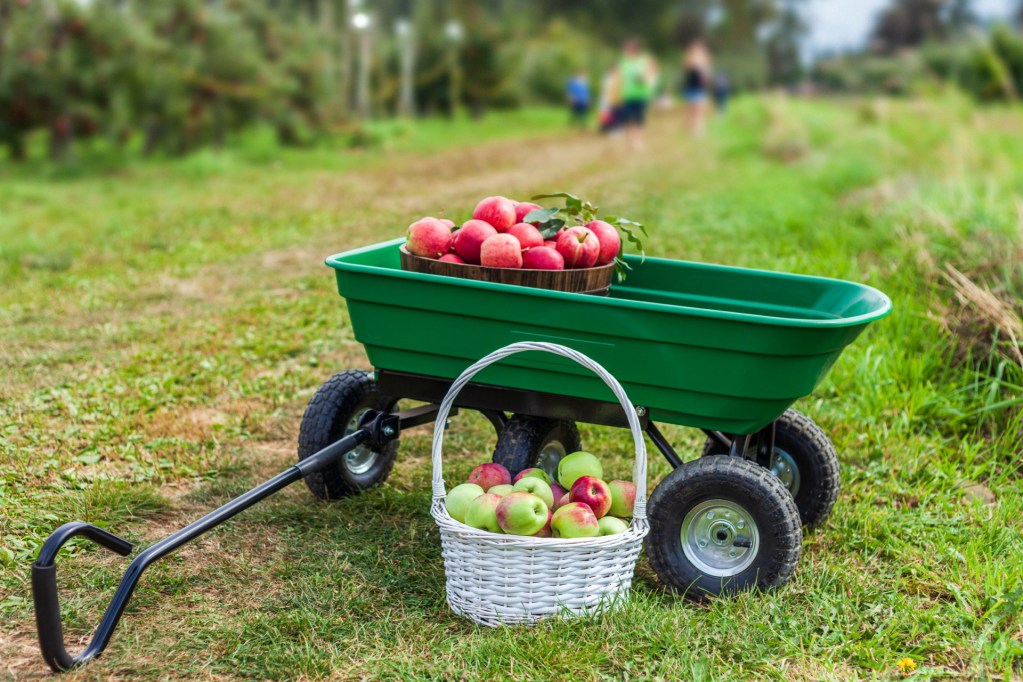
(578, 91)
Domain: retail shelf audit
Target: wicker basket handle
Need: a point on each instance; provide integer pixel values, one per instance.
(639, 467)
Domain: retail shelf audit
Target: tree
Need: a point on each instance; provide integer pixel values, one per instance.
(961, 16)
(786, 32)
(909, 24)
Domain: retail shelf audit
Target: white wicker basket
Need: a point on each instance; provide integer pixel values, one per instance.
(501, 579)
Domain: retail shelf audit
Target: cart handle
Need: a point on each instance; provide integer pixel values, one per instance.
(375, 427)
(47, 602)
(639, 467)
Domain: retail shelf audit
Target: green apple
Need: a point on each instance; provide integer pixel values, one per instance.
(536, 486)
(612, 525)
(459, 497)
(522, 514)
(623, 498)
(534, 472)
(502, 490)
(576, 465)
(482, 513)
(574, 520)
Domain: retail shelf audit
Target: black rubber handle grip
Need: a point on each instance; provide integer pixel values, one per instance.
(47, 602)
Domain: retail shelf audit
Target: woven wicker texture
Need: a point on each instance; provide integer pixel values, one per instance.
(502, 579)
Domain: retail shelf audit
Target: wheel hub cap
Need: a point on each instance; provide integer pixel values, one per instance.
(362, 458)
(720, 537)
(549, 458)
(784, 467)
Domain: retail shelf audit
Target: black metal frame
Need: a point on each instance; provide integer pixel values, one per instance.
(376, 429)
(494, 401)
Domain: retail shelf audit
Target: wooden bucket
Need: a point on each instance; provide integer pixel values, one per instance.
(596, 280)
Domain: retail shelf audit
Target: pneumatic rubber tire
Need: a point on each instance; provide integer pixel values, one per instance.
(535, 442)
(334, 411)
(813, 455)
(760, 510)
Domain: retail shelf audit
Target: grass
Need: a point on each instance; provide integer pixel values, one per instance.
(163, 324)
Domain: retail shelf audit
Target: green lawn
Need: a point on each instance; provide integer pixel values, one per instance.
(162, 325)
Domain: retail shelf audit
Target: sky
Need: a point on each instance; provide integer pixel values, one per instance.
(838, 24)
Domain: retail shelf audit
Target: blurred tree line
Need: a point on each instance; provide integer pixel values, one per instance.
(170, 76)
(914, 41)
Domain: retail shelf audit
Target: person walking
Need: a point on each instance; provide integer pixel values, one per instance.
(637, 76)
(609, 111)
(696, 83)
(578, 92)
(722, 91)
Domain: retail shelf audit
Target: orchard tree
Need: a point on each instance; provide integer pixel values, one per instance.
(911, 23)
(783, 44)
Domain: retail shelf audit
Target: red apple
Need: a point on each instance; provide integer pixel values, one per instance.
(592, 492)
(551, 243)
(488, 475)
(470, 238)
(449, 223)
(565, 499)
(501, 251)
(523, 208)
(579, 247)
(545, 532)
(543, 258)
(527, 235)
(451, 258)
(610, 241)
(559, 492)
(498, 211)
(428, 237)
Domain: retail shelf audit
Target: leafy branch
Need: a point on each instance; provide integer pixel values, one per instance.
(580, 212)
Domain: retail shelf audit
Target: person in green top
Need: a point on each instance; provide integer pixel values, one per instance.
(637, 77)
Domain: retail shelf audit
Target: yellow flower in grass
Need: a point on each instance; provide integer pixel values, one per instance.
(906, 665)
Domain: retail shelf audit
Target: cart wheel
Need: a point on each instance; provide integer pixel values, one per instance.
(333, 413)
(536, 442)
(719, 525)
(805, 461)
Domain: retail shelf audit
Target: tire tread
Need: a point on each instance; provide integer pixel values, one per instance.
(766, 497)
(323, 423)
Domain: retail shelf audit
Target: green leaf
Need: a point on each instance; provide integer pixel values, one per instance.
(551, 228)
(621, 267)
(555, 195)
(540, 215)
(623, 222)
(635, 241)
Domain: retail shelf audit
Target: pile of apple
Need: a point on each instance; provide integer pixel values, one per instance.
(498, 237)
(578, 505)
